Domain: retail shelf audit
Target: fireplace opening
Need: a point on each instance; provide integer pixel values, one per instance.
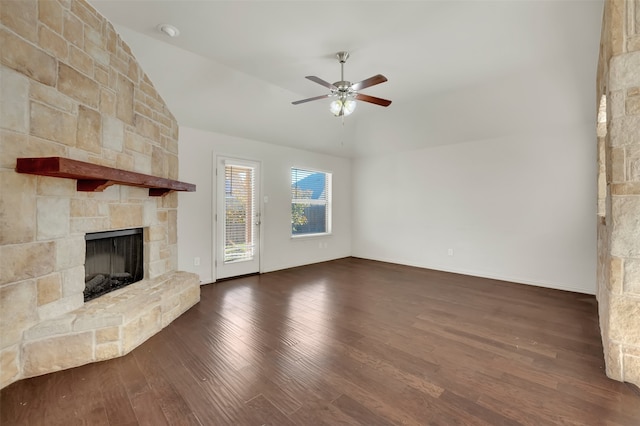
(114, 259)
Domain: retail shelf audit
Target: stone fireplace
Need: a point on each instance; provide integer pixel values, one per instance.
(71, 88)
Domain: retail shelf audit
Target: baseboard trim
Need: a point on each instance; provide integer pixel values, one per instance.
(516, 280)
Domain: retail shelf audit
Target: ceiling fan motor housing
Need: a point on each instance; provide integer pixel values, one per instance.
(343, 88)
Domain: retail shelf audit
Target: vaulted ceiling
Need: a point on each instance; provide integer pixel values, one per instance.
(457, 70)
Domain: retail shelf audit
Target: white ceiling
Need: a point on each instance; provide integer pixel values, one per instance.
(237, 65)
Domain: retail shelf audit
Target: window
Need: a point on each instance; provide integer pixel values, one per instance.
(310, 202)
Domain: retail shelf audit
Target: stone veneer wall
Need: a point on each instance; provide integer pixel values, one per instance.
(70, 87)
(618, 85)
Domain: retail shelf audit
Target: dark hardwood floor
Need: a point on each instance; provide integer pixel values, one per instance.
(350, 342)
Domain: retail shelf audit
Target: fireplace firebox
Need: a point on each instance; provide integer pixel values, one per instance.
(114, 259)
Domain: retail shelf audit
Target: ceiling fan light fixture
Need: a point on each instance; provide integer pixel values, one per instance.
(342, 107)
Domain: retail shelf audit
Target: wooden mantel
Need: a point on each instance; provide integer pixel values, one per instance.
(93, 177)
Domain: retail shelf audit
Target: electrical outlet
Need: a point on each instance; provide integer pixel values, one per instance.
(196, 261)
(450, 252)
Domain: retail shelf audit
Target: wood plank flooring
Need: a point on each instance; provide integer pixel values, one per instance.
(350, 342)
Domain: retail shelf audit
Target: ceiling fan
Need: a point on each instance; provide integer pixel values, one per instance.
(346, 93)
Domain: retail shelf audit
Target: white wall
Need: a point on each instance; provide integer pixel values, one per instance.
(503, 173)
(518, 208)
(195, 212)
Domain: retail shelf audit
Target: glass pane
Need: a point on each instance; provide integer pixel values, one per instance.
(309, 202)
(308, 185)
(239, 210)
(308, 219)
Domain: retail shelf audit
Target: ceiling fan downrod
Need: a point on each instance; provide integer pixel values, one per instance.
(342, 85)
(342, 57)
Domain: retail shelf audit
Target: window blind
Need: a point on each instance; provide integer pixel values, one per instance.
(239, 209)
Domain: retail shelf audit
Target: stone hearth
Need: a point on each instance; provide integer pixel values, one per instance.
(70, 87)
(110, 326)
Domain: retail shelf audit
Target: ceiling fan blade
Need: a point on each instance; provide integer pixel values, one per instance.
(371, 81)
(321, 82)
(373, 100)
(315, 98)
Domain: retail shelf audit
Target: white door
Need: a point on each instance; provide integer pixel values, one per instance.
(238, 217)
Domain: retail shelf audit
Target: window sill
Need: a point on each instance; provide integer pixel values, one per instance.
(305, 236)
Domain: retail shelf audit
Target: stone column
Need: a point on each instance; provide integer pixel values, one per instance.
(619, 221)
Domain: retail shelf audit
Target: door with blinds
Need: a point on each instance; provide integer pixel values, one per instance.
(237, 218)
